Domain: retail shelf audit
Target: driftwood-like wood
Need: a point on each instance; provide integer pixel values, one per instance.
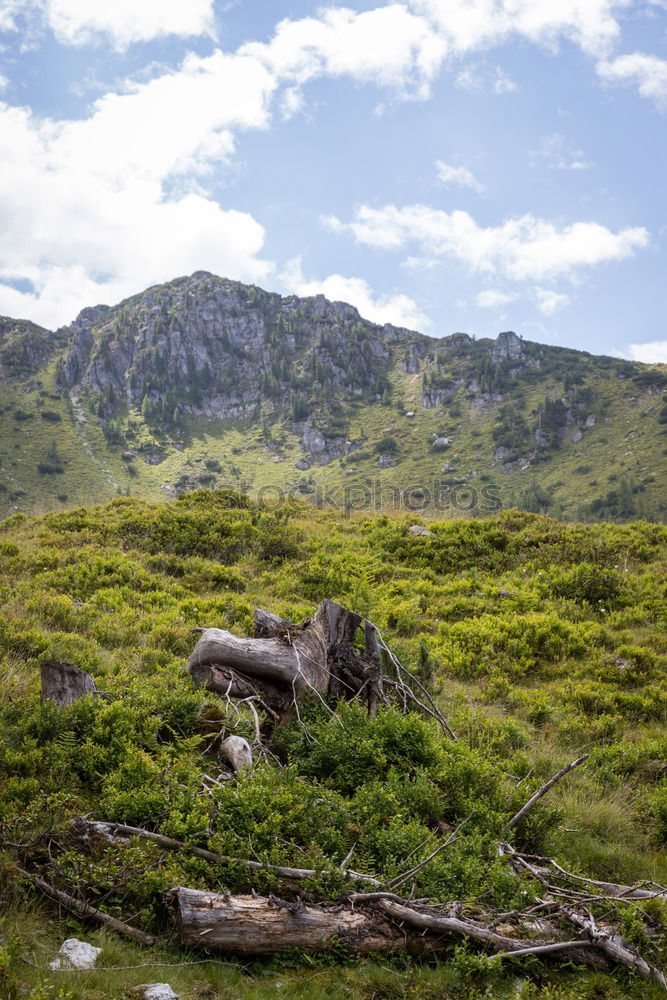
(285, 662)
(64, 683)
(106, 829)
(259, 925)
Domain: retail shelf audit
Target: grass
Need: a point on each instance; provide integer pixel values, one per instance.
(499, 615)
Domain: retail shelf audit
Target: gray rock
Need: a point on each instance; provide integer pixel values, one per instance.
(507, 347)
(419, 529)
(314, 441)
(506, 454)
(576, 437)
(75, 954)
(542, 440)
(386, 461)
(442, 443)
(590, 421)
(302, 465)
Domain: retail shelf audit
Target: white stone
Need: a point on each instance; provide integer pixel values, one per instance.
(236, 751)
(155, 991)
(75, 954)
(419, 529)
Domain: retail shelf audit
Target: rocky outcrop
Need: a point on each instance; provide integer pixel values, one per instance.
(325, 448)
(24, 347)
(507, 347)
(216, 348)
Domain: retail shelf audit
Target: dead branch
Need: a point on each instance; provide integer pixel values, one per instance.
(453, 837)
(103, 828)
(84, 909)
(543, 790)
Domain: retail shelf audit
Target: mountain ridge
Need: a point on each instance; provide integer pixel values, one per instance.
(213, 382)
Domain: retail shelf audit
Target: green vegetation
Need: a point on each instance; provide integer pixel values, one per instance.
(540, 641)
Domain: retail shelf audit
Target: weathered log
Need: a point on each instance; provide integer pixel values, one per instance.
(64, 683)
(284, 661)
(258, 925)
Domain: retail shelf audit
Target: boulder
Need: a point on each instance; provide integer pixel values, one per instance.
(442, 443)
(75, 954)
(155, 991)
(236, 751)
(419, 529)
(590, 421)
(576, 437)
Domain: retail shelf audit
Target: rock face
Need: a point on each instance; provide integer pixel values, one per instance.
(325, 448)
(507, 347)
(218, 349)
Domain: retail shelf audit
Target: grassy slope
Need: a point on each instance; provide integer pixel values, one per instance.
(537, 658)
(627, 443)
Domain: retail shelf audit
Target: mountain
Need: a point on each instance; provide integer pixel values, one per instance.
(208, 382)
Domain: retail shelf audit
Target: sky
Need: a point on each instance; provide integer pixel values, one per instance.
(445, 165)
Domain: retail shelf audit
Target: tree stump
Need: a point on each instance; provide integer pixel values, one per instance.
(64, 683)
(285, 662)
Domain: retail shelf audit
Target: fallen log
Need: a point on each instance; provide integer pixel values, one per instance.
(365, 923)
(258, 925)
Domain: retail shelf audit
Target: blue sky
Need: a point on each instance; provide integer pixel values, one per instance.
(446, 165)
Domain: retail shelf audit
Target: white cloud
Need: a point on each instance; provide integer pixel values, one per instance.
(550, 301)
(10, 10)
(654, 352)
(387, 46)
(492, 298)
(525, 248)
(122, 22)
(480, 80)
(89, 207)
(503, 83)
(400, 310)
(469, 25)
(646, 72)
(559, 153)
(457, 176)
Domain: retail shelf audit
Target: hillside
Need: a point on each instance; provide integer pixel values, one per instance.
(540, 641)
(204, 382)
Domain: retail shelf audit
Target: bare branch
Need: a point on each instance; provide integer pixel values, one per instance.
(544, 789)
